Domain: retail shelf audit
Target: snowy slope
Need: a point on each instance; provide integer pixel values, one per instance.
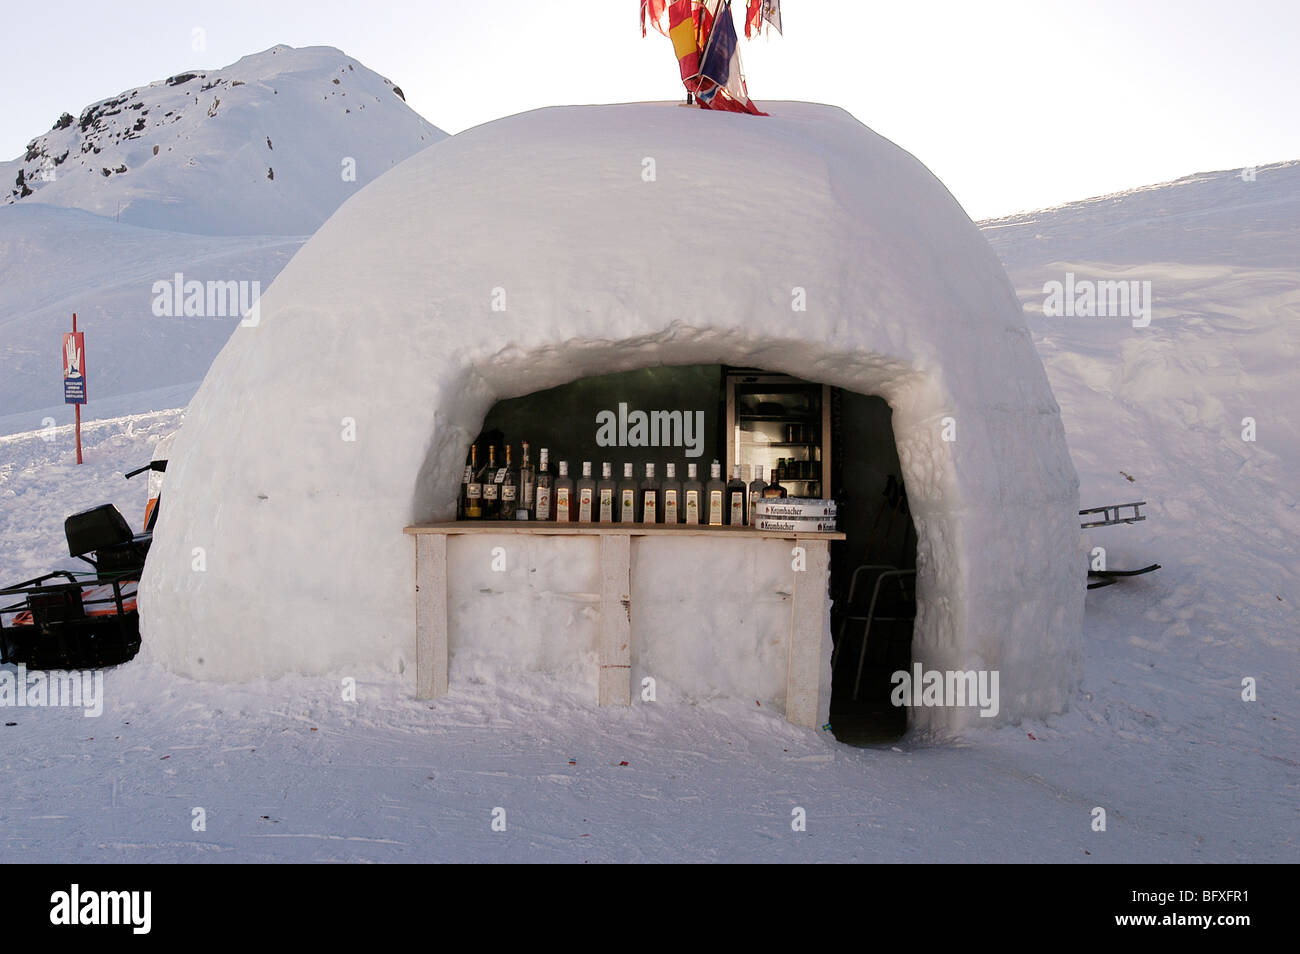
(202, 206)
(261, 147)
(1156, 413)
(1159, 737)
(54, 262)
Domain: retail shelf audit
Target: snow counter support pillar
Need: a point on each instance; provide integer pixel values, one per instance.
(430, 615)
(807, 619)
(615, 682)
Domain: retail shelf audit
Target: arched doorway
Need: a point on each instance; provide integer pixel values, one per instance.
(873, 572)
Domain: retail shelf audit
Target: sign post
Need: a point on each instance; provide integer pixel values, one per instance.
(74, 374)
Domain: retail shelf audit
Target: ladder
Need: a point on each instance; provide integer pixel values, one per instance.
(1112, 515)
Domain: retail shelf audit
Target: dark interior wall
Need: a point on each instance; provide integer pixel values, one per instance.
(564, 419)
(867, 458)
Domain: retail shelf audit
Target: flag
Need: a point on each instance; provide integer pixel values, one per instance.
(654, 10)
(723, 82)
(759, 10)
(689, 25)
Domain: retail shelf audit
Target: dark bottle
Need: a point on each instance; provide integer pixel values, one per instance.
(774, 489)
(737, 509)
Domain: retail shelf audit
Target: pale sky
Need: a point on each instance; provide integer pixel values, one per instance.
(1014, 104)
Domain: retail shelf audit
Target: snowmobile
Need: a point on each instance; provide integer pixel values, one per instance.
(78, 619)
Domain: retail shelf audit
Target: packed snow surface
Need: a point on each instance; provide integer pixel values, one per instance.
(571, 241)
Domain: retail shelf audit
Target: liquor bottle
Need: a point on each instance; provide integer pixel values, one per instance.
(527, 486)
(692, 496)
(650, 509)
(509, 489)
(671, 491)
(606, 495)
(627, 488)
(473, 505)
(564, 495)
(491, 489)
(774, 489)
(714, 491)
(756, 487)
(586, 494)
(737, 494)
(544, 509)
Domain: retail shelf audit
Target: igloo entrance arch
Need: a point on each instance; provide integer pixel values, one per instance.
(531, 251)
(850, 439)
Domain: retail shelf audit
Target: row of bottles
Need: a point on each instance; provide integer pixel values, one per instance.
(494, 492)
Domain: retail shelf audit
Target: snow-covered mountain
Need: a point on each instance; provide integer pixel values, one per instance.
(188, 190)
(270, 145)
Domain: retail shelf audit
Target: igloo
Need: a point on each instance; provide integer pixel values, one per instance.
(574, 241)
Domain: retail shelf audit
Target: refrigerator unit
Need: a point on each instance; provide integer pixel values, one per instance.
(782, 423)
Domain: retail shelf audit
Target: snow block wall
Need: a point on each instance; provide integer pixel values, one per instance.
(573, 241)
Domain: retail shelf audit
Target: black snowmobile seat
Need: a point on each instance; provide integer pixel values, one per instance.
(99, 528)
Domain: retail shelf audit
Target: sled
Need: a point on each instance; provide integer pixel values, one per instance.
(1107, 577)
(75, 619)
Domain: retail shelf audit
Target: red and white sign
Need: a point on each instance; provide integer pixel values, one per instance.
(74, 367)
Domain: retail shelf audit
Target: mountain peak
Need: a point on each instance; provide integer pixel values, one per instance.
(271, 144)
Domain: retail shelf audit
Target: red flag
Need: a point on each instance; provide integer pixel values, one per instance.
(753, 18)
(655, 10)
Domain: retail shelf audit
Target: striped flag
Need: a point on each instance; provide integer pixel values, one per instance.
(724, 86)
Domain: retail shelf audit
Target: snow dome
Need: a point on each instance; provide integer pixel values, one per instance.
(574, 241)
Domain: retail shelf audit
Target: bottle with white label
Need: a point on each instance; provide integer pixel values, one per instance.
(491, 489)
(606, 495)
(671, 492)
(527, 486)
(509, 488)
(756, 488)
(564, 495)
(737, 497)
(692, 496)
(586, 494)
(545, 504)
(715, 490)
(627, 491)
(473, 489)
(650, 501)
